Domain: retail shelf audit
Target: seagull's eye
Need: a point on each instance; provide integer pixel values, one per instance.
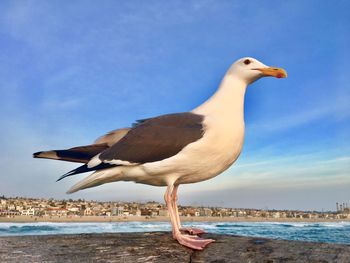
(247, 61)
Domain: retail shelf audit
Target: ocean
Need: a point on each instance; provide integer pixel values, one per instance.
(337, 232)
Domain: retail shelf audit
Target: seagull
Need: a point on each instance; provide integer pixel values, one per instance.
(173, 149)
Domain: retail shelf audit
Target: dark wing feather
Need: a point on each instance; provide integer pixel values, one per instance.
(156, 139)
(80, 154)
(84, 168)
(83, 154)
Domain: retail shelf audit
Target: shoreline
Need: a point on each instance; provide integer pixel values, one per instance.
(110, 219)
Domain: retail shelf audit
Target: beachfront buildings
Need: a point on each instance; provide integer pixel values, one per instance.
(63, 208)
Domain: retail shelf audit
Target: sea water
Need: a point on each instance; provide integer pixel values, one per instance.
(337, 232)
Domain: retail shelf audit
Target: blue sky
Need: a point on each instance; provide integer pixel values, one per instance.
(71, 71)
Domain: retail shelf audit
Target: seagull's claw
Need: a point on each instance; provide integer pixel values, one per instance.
(192, 230)
(193, 242)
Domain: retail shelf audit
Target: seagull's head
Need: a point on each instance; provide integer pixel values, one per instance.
(250, 69)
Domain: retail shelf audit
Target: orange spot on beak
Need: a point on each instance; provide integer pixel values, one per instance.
(273, 72)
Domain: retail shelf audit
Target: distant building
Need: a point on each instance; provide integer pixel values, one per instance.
(154, 213)
(9, 213)
(74, 210)
(87, 211)
(205, 212)
(19, 208)
(118, 211)
(276, 215)
(11, 207)
(29, 212)
(138, 212)
(146, 212)
(56, 211)
(163, 212)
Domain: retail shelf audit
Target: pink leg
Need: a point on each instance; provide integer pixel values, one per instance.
(193, 242)
(190, 230)
(174, 204)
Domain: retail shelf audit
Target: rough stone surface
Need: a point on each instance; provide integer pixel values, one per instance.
(160, 247)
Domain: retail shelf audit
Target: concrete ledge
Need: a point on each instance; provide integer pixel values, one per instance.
(160, 247)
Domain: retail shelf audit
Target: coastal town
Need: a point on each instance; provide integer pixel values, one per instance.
(46, 208)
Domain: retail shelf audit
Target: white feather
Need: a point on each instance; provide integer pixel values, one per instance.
(94, 161)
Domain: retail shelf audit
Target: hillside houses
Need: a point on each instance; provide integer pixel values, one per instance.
(62, 208)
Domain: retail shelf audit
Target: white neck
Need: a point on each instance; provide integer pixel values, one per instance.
(227, 101)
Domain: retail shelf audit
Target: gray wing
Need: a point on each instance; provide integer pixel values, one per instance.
(155, 139)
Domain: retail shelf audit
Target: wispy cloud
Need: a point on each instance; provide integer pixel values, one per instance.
(293, 172)
(300, 117)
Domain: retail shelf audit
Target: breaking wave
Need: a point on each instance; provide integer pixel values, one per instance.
(337, 232)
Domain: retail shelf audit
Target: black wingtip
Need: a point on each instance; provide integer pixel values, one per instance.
(80, 169)
(64, 176)
(84, 168)
(36, 155)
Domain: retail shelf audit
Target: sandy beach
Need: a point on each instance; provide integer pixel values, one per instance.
(27, 219)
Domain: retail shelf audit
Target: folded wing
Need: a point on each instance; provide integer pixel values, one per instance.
(153, 140)
(149, 140)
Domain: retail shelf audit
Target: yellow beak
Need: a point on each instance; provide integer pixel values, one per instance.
(273, 72)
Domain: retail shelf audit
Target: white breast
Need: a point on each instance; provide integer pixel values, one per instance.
(215, 152)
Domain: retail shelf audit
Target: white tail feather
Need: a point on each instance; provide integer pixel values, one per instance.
(97, 178)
